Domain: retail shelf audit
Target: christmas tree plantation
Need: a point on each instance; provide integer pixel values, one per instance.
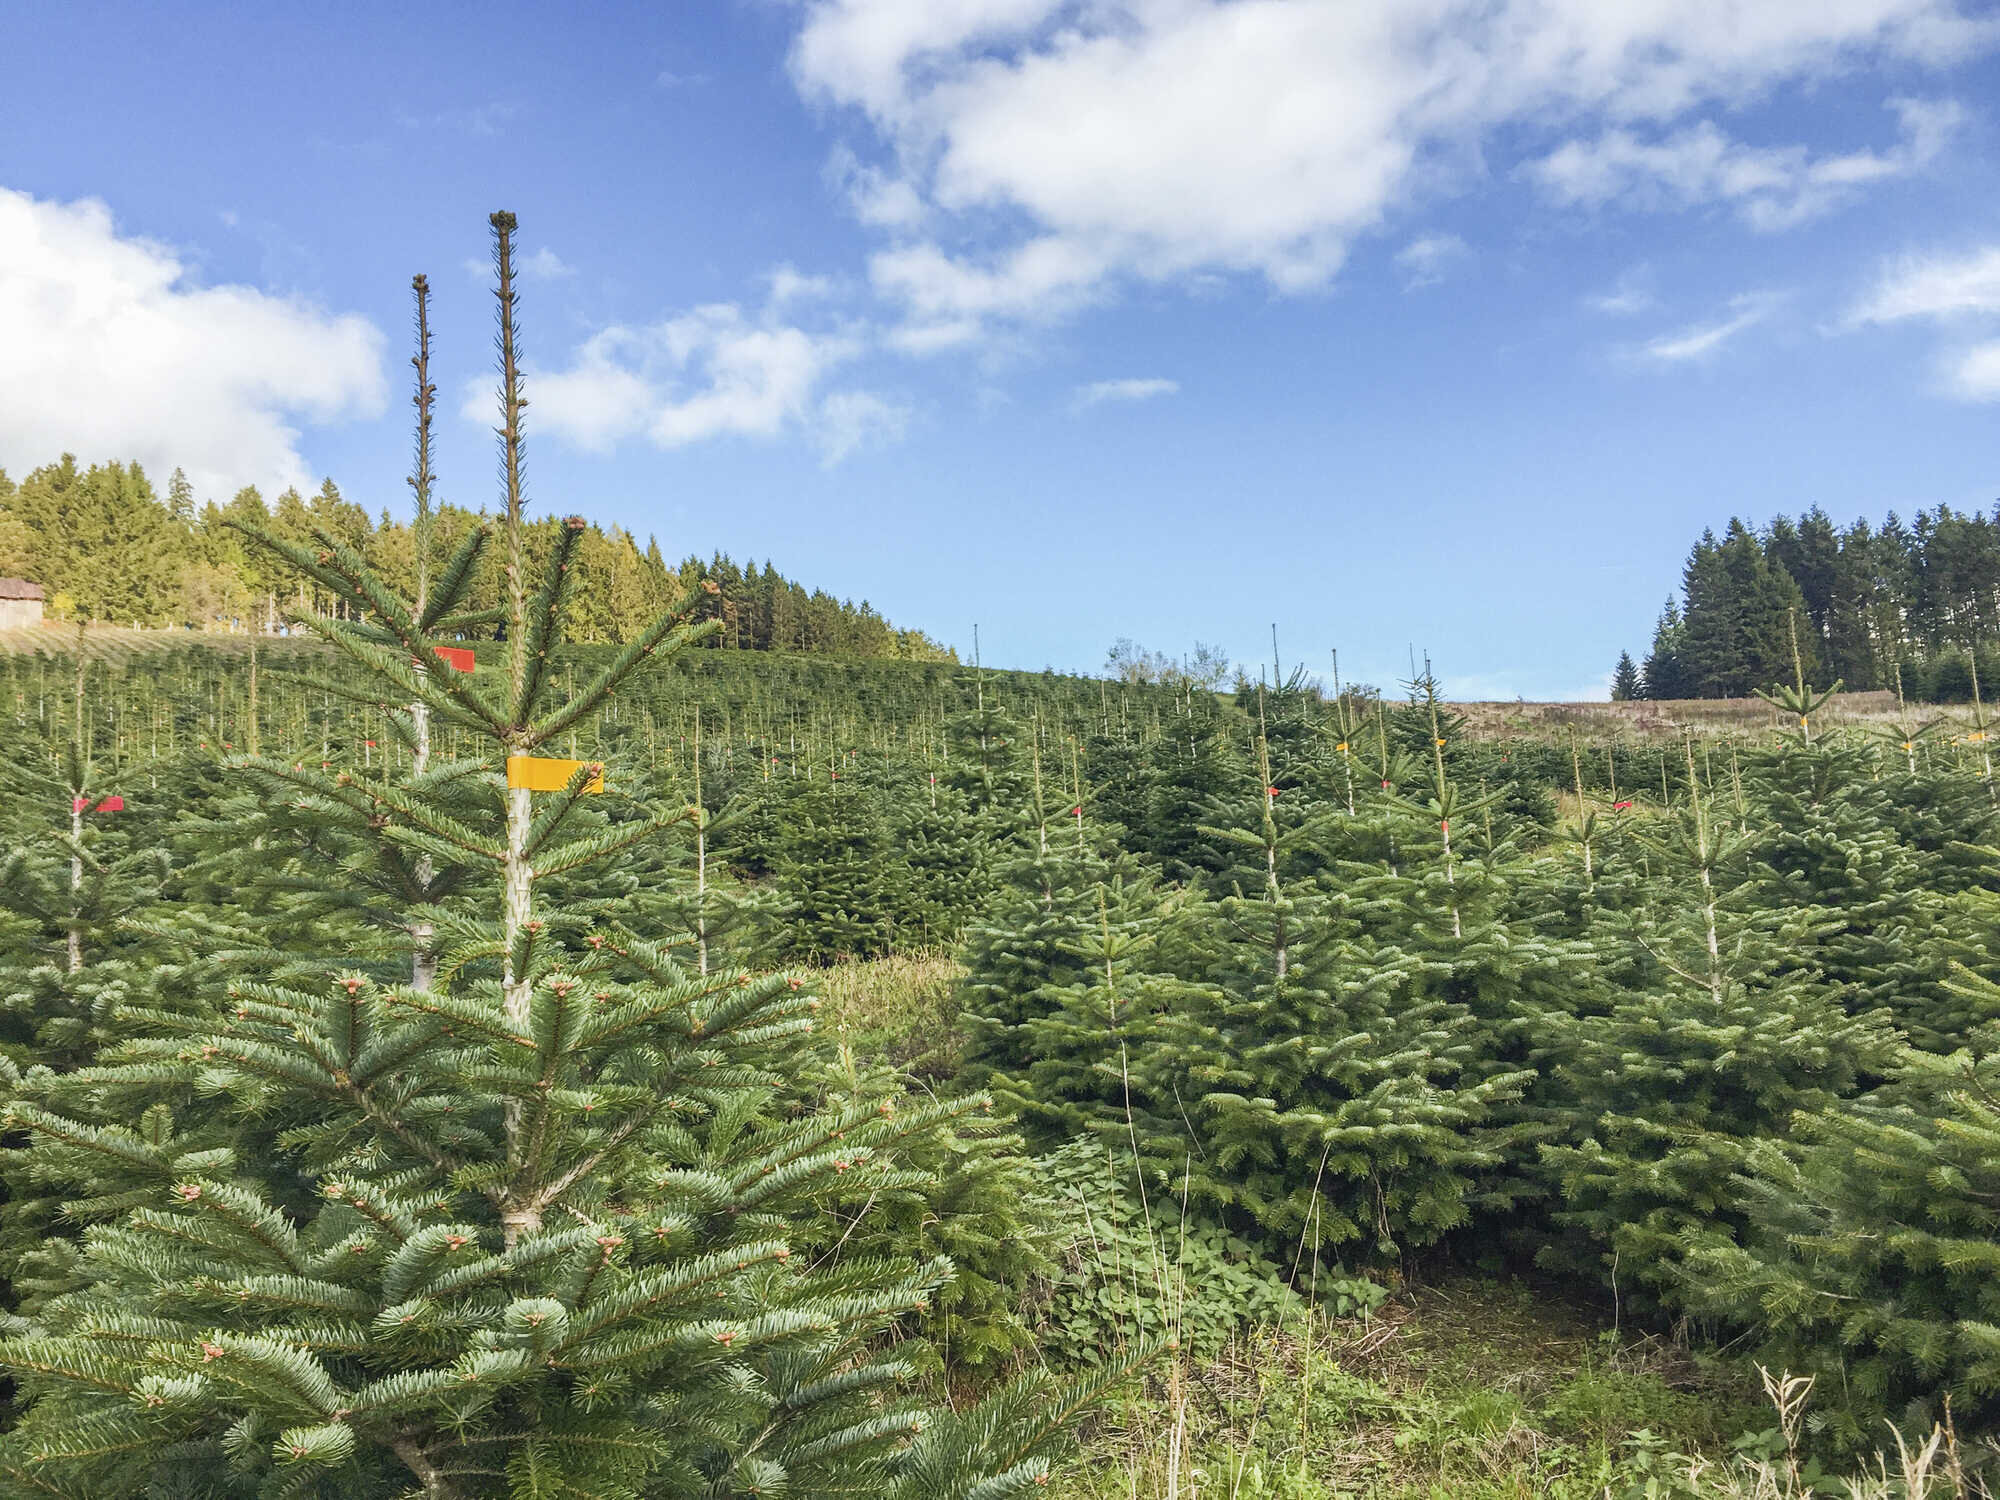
(422, 1076)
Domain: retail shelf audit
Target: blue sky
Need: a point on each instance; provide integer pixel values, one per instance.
(1394, 322)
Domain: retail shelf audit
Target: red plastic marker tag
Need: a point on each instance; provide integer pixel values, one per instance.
(78, 804)
(458, 658)
(113, 803)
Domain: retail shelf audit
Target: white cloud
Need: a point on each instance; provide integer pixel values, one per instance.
(789, 284)
(1959, 292)
(545, 265)
(1934, 287)
(934, 336)
(712, 372)
(852, 420)
(1704, 339)
(1630, 294)
(1426, 260)
(1029, 155)
(1974, 375)
(1771, 188)
(1132, 389)
(875, 197)
(112, 350)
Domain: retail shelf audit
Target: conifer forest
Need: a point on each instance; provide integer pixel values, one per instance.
(464, 1033)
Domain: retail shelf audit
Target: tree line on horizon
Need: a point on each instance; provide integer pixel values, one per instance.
(108, 547)
(1902, 607)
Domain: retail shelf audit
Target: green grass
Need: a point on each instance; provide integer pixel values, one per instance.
(899, 1010)
(1476, 1391)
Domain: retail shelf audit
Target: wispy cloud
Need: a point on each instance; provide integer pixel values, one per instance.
(482, 121)
(850, 421)
(1937, 287)
(1770, 188)
(1100, 391)
(1958, 293)
(1704, 339)
(1631, 293)
(1974, 374)
(789, 284)
(1426, 261)
(546, 265)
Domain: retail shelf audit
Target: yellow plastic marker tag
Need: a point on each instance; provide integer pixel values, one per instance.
(532, 773)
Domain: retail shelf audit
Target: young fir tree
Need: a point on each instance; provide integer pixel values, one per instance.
(1824, 849)
(844, 889)
(944, 851)
(65, 890)
(963, 1190)
(1871, 1252)
(1062, 1056)
(1720, 1041)
(689, 886)
(1306, 1076)
(1195, 769)
(302, 840)
(1058, 895)
(530, 1236)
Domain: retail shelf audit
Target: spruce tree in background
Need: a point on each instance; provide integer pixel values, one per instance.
(1625, 684)
(528, 1236)
(1737, 633)
(1663, 676)
(1873, 603)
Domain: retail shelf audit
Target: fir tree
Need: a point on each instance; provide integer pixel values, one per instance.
(1721, 1039)
(844, 890)
(1871, 1252)
(65, 890)
(530, 1236)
